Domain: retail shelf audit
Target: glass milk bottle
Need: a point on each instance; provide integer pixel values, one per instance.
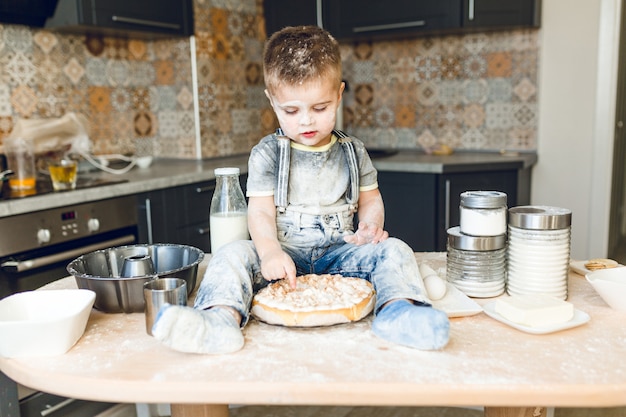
(228, 219)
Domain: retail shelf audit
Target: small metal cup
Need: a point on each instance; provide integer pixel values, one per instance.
(137, 266)
(161, 291)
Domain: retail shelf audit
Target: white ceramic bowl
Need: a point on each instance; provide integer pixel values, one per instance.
(144, 161)
(611, 285)
(43, 322)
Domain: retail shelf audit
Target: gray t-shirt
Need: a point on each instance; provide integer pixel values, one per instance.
(318, 177)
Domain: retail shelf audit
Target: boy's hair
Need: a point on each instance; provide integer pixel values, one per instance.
(295, 55)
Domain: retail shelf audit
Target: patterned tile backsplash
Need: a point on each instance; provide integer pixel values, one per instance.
(472, 92)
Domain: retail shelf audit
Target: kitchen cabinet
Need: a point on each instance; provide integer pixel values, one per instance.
(490, 14)
(281, 13)
(26, 12)
(139, 18)
(371, 19)
(354, 19)
(420, 207)
(178, 214)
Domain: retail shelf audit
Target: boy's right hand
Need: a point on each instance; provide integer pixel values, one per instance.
(278, 265)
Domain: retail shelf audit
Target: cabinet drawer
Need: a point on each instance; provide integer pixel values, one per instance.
(353, 19)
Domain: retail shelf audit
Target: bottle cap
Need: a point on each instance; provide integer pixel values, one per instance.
(227, 171)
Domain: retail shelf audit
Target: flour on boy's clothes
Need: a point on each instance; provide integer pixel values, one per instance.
(318, 178)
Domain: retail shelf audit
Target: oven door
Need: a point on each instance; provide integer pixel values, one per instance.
(35, 268)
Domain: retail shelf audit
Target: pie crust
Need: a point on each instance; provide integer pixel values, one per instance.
(318, 300)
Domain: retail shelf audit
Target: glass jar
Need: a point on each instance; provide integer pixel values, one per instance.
(483, 213)
(539, 250)
(476, 265)
(228, 218)
(21, 160)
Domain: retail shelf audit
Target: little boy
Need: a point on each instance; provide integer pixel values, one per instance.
(305, 183)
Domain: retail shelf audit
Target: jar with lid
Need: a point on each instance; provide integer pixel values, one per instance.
(228, 218)
(483, 213)
(539, 250)
(476, 265)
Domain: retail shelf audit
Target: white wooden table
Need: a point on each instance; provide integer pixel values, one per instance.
(486, 363)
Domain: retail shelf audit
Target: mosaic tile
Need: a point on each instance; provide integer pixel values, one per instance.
(20, 69)
(473, 139)
(185, 98)
(74, 71)
(427, 93)
(52, 102)
(46, 41)
(499, 115)
(144, 123)
(499, 90)
(96, 71)
(473, 115)
(475, 91)
(24, 101)
(117, 73)
(18, 39)
(525, 89)
(5, 97)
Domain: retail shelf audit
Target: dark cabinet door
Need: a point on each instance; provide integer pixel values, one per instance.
(354, 19)
(410, 208)
(281, 13)
(451, 186)
(486, 14)
(112, 17)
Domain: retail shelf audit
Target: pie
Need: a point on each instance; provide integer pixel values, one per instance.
(317, 300)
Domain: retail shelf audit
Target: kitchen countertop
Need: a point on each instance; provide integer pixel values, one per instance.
(166, 173)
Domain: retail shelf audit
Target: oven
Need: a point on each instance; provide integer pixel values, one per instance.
(35, 249)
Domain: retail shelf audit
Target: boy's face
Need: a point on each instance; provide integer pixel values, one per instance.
(307, 112)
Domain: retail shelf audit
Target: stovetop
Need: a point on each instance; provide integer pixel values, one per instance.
(44, 186)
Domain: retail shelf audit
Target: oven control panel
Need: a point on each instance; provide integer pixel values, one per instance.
(63, 224)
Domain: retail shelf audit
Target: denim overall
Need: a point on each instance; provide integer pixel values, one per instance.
(315, 243)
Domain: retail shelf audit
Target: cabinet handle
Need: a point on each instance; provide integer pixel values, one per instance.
(149, 220)
(447, 205)
(144, 22)
(205, 189)
(470, 12)
(203, 231)
(318, 11)
(375, 28)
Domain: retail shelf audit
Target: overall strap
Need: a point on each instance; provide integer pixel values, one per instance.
(352, 194)
(282, 179)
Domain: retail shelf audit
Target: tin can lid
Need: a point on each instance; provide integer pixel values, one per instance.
(227, 171)
(540, 217)
(458, 240)
(483, 199)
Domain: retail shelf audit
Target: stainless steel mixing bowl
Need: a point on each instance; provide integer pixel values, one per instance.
(101, 272)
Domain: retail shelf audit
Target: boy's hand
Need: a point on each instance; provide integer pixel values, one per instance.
(278, 265)
(367, 233)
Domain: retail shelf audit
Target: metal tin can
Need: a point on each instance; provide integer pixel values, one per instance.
(539, 250)
(476, 265)
(483, 213)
